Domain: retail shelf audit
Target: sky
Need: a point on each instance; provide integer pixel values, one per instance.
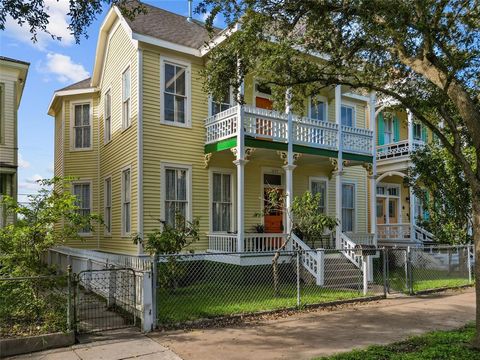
(53, 65)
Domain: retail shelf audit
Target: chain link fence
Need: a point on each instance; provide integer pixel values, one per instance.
(34, 305)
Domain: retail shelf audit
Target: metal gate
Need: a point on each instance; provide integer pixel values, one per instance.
(104, 300)
(397, 271)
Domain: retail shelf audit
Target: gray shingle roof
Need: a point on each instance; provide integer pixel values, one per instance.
(82, 84)
(14, 60)
(168, 26)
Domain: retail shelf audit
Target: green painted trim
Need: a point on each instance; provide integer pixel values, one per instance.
(358, 157)
(315, 151)
(221, 145)
(265, 144)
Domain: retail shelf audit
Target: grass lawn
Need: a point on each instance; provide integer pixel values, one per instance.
(419, 285)
(438, 345)
(210, 299)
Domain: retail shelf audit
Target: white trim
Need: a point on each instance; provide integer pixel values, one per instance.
(387, 197)
(125, 69)
(140, 147)
(122, 198)
(390, 173)
(224, 35)
(324, 179)
(88, 181)
(210, 101)
(163, 166)
(352, 106)
(271, 171)
(188, 90)
(108, 89)
(322, 99)
(233, 213)
(257, 93)
(61, 93)
(356, 96)
(72, 121)
(108, 177)
(166, 44)
(355, 205)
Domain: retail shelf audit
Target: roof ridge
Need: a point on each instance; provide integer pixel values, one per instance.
(68, 87)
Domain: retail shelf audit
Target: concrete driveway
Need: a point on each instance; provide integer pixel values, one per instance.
(325, 332)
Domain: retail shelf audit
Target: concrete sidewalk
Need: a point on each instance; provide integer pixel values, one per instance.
(126, 344)
(325, 332)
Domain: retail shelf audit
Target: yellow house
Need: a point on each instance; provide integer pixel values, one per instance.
(398, 210)
(145, 141)
(13, 74)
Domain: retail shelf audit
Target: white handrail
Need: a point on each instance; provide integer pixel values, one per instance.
(312, 261)
(348, 249)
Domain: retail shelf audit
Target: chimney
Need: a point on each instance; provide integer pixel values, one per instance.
(190, 10)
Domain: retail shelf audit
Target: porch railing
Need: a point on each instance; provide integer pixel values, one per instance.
(398, 149)
(251, 242)
(362, 238)
(272, 125)
(393, 232)
(222, 242)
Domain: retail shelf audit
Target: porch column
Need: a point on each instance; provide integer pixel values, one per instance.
(373, 175)
(289, 167)
(412, 213)
(339, 171)
(410, 130)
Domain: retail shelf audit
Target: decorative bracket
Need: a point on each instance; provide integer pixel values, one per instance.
(284, 156)
(334, 163)
(206, 159)
(369, 168)
(248, 152)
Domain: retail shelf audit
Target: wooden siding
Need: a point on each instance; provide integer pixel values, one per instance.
(8, 142)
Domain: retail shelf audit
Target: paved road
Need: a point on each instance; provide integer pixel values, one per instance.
(324, 332)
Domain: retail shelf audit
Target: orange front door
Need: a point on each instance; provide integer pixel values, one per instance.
(381, 211)
(263, 103)
(273, 218)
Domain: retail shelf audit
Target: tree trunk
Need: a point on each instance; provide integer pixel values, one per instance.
(476, 241)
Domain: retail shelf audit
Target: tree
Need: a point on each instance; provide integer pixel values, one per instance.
(440, 184)
(34, 14)
(424, 54)
(49, 219)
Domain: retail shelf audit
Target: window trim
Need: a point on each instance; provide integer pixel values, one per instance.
(188, 167)
(413, 131)
(90, 183)
(210, 101)
(352, 106)
(355, 205)
(233, 213)
(109, 177)
(122, 198)
(107, 91)
(72, 122)
(387, 198)
(324, 179)
(2, 113)
(322, 99)
(188, 91)
(129, 69)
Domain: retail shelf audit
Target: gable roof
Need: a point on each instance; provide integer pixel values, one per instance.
(171, 27)
(82, 84)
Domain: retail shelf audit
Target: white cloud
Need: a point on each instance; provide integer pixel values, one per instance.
(63, 68)
(58, 26)
(22, 163)
(30, 185)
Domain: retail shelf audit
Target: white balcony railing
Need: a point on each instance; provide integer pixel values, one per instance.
(272, 125)
(393, 232)
(251, 243)
(398, 149)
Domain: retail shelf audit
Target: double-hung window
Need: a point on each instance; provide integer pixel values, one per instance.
(126, 208)
(107, 116)
(126, 108)
(221, 202)
(320, 187)
(176, 194)
(348, 115)
(82, 127)
(417, 131)
(221, 104)
(82, 193)
(107, 213)
(348, 207)
(175, 85)
(318, 109)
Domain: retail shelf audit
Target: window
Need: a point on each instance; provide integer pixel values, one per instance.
(417, 131)
(126, 209)
(348, 207)
(320, 187)
(82, 192)
(176, 194)
(108, 116)
(107, 213)
(318, 110)
(82, 127)
(221, 202)
(175, 100)
(380, 190)
(348, 115)
(126, 111)
(388, 130)
(222, 104)
(265, 89)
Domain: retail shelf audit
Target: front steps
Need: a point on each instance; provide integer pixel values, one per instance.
(341, 273)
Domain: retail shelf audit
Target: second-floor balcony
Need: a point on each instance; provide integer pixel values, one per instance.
(398, 150)
(271, 125)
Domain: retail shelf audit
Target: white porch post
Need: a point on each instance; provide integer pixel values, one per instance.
(339, 172)
(410, 130)
(289, 167)
(373, 175)
(240, 164)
